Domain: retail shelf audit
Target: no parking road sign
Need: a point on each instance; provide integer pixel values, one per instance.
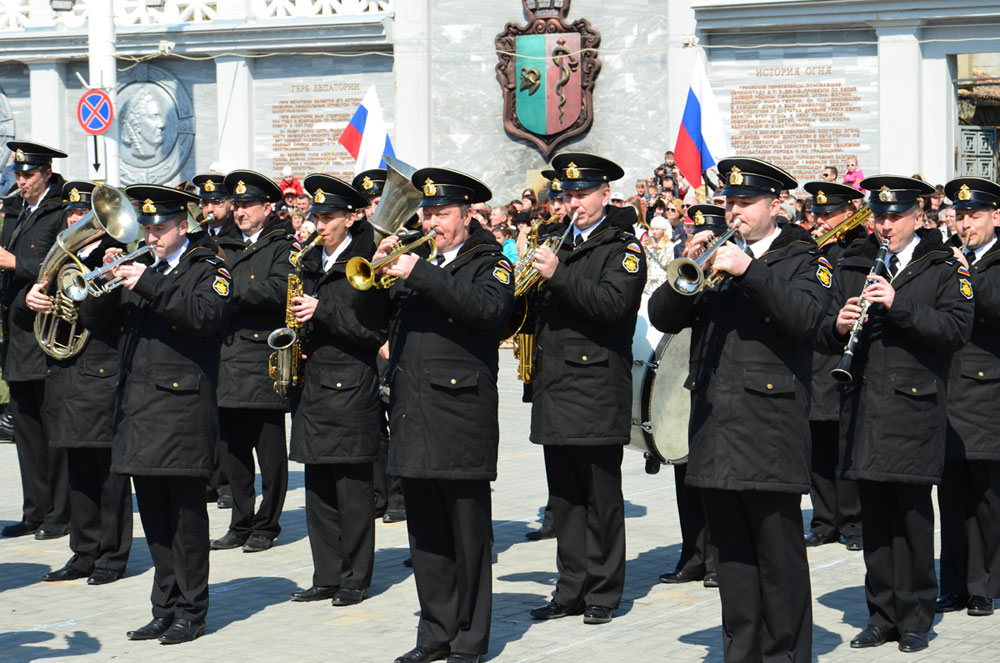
(94, 112)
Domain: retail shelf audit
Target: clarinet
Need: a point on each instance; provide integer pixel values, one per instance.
(842, 373)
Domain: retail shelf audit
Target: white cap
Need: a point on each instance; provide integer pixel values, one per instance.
(659, 222)
(286, 171)
(617, 196)
(215, 167)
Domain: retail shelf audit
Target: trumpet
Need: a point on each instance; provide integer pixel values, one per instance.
(361, 273)
(687, 276)
(77, 285)
(842, 373)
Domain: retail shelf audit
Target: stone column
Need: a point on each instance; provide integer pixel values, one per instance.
(234, 89)
(49, 114)
(412, 65)
(899, 100)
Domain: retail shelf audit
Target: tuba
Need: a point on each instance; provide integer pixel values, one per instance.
(58, 332)
(400, 199)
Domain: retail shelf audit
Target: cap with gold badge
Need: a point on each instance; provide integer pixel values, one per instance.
(251, 185)
(370, 182)
(973, 193)
(747, 176)
(708, 217)
(159, 204)
(830, 196)
(76, 194)
(28, 156)
(330, 194)
(578, 171)
(555, 184)
(443, 186)
(891, 194)
(211, 186)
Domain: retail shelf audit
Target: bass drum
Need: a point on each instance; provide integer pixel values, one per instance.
(661, 406)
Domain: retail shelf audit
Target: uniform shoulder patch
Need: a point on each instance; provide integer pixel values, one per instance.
(503, 262)
(631, 263)
(225, 272)
(634, 247)
(502, 275)
(824, 274)
(297, 246)
(965, 287)
(221, 286)
(825, 262)
(963, 270)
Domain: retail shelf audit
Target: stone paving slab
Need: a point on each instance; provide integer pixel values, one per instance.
(251, 619)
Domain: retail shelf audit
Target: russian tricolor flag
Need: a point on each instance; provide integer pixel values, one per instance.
(702, 138)
(366, 136)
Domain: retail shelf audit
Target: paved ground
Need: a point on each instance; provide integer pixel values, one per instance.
(251, 619)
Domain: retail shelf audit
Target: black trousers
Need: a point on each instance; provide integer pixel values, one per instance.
(836, 506)
(969, 503)
(388, 489)
(697, 557)
(340, 515)
(175, 521)
(44, 470)
(900, 584)
(241, 432)
(451, 535)
(763, 575)
(588, 511)
(100, 524)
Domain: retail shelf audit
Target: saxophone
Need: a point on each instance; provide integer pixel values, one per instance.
(284, 366)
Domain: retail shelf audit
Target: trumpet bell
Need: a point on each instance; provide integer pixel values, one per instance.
(360, 273)
(685, 276)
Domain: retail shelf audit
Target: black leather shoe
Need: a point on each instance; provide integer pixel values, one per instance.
(152, 630)
(225, 501)
(596, 614)
(408, 562)
(545, 532)
(854, 543)
(912, 641)
(65, 573)
(464, 658)
(677, 577)
(422, 655)
(103, 577)
(211, 494)
(258, 543)
(230, 540)
(7, 427)
(711, 580)
(394, 516)
(552, 610)
(980, 606)
(813, 539)
(950, 603)
(19, 529)
(872, 636)
(182, 630)
(314, 593)
(47, 531)
(345, 596)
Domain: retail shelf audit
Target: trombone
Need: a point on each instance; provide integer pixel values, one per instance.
(361, 273)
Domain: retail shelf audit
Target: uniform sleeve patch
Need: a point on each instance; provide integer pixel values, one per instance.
(298, 247)
(502, 275)
(503, 262)
(963, 270)
(824, 276)
(631, 263)
(225, 272)
(221, 286)
(826, 263)
(293, 257)
(634, 247)
(965, 287)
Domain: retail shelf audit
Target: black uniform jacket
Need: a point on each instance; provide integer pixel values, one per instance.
(825, 403)
(974, 383)
(893, 417)
(166, 422)
(338, 415)
(751, 367)
(260, 288)
(79, 403)
(585, 320)
(447, 323)
(29, 240)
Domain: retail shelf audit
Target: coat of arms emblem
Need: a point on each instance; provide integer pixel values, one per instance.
(547, 71)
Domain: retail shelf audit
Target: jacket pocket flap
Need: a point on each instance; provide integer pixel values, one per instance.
(179, 383)
(980, 371)
(916, 386)
(691, 382)
(453, 378)
(585, 355)
(765, 382)
(98, 371)
(340, 378)
(253, 336)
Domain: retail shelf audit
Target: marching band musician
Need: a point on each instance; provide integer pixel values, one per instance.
(78, 409)
(338, 416)
(585, 313)
(893, 416)
(969, 493)
(171, 318)
(836, 509)
(750, 368)
(370, 183)
(251, 413)
(216, 202)
(446, 325)
(29, 230)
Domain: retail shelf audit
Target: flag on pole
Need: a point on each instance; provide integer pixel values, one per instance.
(702, 139)
(366, 136)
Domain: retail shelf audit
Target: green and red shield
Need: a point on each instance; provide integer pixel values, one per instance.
(548, 81)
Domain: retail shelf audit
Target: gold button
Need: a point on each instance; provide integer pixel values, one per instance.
(770, 386)
(49, 371)
(697, 318)
(914, 390)
(450, 320)
(121, 329)
(256, 335)
(584, 357)
(982, 319)
(980, 374)
(173, 327)
(693, 383)
(251, 276)
(176, 385)
(101, 370)
(338, 384)
(767, 320)
(453, 380)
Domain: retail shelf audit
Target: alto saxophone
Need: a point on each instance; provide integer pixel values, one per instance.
(284, 366)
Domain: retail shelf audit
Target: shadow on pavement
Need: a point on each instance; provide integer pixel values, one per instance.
(511, 618)
(242, 598)
(851, 602)
(14, 575)
(22, 646)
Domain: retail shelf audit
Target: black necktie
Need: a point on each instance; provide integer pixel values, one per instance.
(578, 240)
(893, 266)
(247, 243)
(439, 260)
(970, 256)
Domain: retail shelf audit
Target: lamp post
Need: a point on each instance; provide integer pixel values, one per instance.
(104, 75)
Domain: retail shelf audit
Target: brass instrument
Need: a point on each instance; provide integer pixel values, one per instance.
(15, 192)
(77, 285)
(842, 373)
(57, 332)
(361, 273)
(284, 366)
(400, 199)
(845, 226)
(687, 276)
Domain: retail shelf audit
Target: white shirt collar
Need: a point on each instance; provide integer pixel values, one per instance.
(329, 259)
(253, 237)
(32, 208)
(173, 260)
(762, 246)
(983, 249)
(905, 255)
(450, 255)
(586, 233)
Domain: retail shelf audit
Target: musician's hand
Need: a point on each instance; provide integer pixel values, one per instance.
(304, 307)
(37, 300)
(402, 266)
(729, 258)
(695, 245)
(847, 316)
(385, 247)
(7, 259)
(961, 256)
(110, 254)
(880, 292)
(130, 273)
(383, 351)
(545, 262)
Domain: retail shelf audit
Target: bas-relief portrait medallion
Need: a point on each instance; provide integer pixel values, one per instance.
(155, 124)
(6, 128)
